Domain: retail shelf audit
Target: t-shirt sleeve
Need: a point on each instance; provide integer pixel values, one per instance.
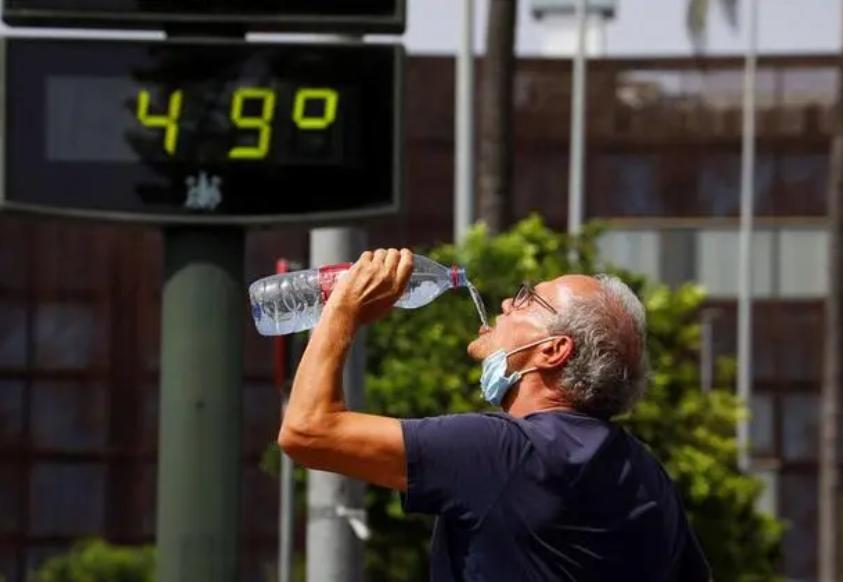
(459, 464)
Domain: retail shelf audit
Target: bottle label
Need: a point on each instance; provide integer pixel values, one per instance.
(328, 276)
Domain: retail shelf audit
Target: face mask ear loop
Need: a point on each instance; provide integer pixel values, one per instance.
(531, 344)
(516, 376)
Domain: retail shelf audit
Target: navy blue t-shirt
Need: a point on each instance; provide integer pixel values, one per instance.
(553, 496)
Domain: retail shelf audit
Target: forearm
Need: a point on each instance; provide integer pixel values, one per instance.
(317, 391)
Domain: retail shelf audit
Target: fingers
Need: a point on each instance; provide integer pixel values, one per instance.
(389, 264)
(391, 260)
(378, 257)
(365, 259)
(404, 269)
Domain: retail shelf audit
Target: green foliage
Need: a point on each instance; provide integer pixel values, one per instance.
(418, 367)
(97, 561)
(696, 20)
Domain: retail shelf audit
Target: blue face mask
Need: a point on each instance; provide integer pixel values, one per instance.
(493, 380)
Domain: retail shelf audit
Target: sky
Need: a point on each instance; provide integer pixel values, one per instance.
(641, 27)
(644, 27)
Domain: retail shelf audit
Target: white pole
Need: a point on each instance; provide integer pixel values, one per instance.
(745, 238)
(575, 172)
(707, 350)
(287, 509)
(336, 514)
(336, 504)
(464, 128)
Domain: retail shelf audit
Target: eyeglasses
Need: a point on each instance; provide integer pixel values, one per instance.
(527, 293)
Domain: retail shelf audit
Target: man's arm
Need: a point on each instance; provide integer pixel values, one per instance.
(318, 431)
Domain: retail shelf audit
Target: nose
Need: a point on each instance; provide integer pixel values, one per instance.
(506, 306)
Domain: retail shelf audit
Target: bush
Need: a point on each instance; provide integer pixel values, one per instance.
(98, 561)
(418, 367)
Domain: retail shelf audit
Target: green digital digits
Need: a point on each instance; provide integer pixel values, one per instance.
(263, 123)
(169, 121)
(330, 99)
(259, 121)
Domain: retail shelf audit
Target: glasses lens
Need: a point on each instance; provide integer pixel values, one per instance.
(522, 296)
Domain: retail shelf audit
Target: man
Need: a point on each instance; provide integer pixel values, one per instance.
(547, 490)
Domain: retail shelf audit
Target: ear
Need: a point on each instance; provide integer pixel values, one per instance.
(555, 353)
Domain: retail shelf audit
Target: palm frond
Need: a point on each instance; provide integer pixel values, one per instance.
(697, 20)
(730, 9)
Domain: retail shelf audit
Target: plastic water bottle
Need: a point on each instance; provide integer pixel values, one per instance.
(291, 302)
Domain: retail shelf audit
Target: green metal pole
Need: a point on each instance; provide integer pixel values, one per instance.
(201, 378)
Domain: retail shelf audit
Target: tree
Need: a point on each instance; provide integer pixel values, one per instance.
(496, 89)
(418, 367)
(697, 18)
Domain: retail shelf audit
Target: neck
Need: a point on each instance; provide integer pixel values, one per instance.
(533, 394)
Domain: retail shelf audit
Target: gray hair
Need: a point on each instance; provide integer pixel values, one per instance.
(607, 373)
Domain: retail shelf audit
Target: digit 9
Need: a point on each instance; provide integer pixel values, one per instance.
(261, 123)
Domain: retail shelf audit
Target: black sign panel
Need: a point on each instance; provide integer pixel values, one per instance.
(212, 132)
(359, 16)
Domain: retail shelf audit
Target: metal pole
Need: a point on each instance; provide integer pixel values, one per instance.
(575, 172)
(201, 384)
(745, 238)
(707, 349)
(287, 509)
(284, 346)
(336, 510)
(464, 127)
(829, 478)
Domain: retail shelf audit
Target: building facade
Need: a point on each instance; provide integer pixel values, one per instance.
(80, 302)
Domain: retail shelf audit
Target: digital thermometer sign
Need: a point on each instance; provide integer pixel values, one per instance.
(358, 16)
(202, 132)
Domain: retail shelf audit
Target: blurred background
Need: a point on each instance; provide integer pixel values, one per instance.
(659, 176)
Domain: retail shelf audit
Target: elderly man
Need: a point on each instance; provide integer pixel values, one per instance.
(549, 489)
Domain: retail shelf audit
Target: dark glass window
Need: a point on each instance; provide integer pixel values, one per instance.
(69, 416)
(762, 424)
(67, 499)
(632, 180)
(11, 411)
(10, 500)
(8, 564)
(12, 334)
(800, 427)
(798, 495)
(67, 335)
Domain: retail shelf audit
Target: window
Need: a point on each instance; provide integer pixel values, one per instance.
(8, 564)
(799, 508)
(69, 416)
(67, 336)
(66, 499)
(13, 336)
(803, 263)
(10, 499)
(802, 184)
(762, 426)
(631, 181)
(717, 262)
(636, 250)
(11, 411)
(800, 427)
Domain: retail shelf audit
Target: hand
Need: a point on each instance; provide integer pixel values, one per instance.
(372, 285)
